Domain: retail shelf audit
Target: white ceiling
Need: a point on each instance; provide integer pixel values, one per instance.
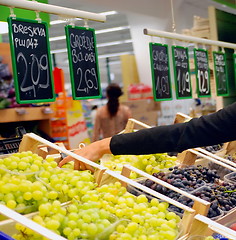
(183, 10)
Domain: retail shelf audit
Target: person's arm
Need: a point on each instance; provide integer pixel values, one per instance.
(207, 130)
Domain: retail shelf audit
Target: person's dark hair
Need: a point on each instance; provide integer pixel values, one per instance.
(113, 92)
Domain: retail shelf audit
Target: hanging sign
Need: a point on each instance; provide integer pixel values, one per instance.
(83, 61)
(202, 73)
(181, 72)
(31, 61)
(160, 71)
(221, 76)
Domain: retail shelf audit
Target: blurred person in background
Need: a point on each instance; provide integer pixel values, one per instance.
(111, 118)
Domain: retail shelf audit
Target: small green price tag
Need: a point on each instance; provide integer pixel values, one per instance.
(83, 61)
(181, 72)
(221, 75)
(161, 83)
(202, 72)
(31, 61)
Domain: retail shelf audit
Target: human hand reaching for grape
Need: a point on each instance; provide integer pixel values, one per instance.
(92, 152)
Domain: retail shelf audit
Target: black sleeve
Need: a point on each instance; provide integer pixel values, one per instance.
(207, 130)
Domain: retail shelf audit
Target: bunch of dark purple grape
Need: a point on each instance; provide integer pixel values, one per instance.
(188, 178)
(214, 148)
(222, 198)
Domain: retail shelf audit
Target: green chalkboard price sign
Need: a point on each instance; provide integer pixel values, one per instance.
(202, 71)
(181, 72)
(221, 75)
(160, 71)
(83, 61)
(31, 61)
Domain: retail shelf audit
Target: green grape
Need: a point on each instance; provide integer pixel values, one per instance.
(27, 195)
(37, 195)
(67, 231)
(142, 199)
(92, 229)
(76, 232)
(162, 207)
(44, 209)
(72, 224)
(52, 224)
(87, 218)
(52, 195)
(132, 227)
(11, 204)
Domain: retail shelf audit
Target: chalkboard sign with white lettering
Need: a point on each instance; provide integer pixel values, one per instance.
(202, 71)
(221, 76)
(181, 72)
(83, 60)
(160, 71)
(31, 60)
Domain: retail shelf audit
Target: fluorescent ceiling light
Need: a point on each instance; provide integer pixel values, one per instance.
(63, 50)
(63, 37)
(114, 43)
(115, 29)
(3, 27)
(54, 22)
(108, 13)
(52, 39)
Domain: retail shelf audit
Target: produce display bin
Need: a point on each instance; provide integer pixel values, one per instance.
(231, 177)
(41, 146)
(200, 206)
(188, 214)
(8, 226)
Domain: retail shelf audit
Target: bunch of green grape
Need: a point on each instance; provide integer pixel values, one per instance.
(25, 163)
(35, 181)
(74, 221)
(17, 192)
(107, 212)
(151, 163)
(67, 183)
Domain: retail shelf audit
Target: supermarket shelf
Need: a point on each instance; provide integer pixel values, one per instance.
(25, 114)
